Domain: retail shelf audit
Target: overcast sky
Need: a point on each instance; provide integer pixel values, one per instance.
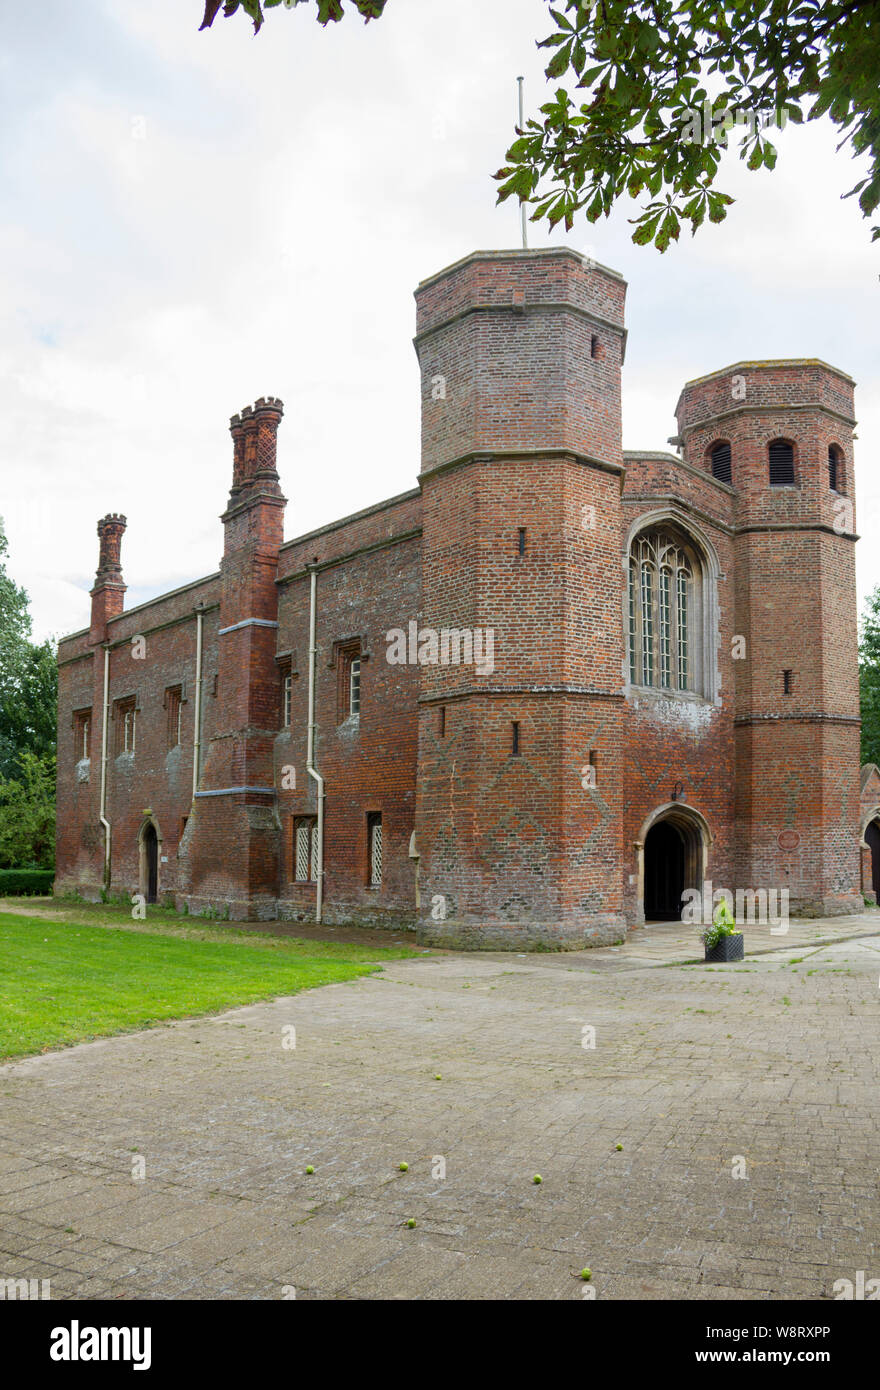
(189, 221)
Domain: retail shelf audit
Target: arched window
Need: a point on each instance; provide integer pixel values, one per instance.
(835, 468)
(665, 612)
(719, 456)
(781, 462)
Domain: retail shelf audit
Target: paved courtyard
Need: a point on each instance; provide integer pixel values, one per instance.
(766, 1069)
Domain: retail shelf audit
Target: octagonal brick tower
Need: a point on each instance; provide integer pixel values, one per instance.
(520, 355)
(797, 695)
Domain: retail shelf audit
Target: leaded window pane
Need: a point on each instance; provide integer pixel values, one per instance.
(375, 851)
(665, 628)
(354, 704)
(633, 638)
(314, 855)
(682, 630)
(302, 851)
(647, 625)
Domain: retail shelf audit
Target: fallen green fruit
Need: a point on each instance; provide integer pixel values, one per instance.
(310, 1169)
(586, 1274)
(404, 1167)
(537, 1178)
(410, 1223)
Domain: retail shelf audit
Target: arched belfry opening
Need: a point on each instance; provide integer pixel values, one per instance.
(672, 850)
(148, 845)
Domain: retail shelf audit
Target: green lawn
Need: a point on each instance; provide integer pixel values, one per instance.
(64, 982)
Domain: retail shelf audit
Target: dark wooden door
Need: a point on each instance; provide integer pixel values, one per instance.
(872, 838)
(664, 873)
(151, 845)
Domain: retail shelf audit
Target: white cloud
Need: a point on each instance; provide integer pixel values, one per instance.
(265, 236)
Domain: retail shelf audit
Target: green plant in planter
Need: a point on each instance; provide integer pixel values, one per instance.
(723, 924)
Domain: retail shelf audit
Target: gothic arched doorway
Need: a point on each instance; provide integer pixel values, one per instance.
(872, 840)
(149, 862)
(671, 856)
(664, 872)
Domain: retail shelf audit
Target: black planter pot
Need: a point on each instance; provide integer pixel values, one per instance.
(726, 948)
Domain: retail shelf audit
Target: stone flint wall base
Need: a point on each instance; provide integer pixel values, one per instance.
(262, 909)
(89, 892)
(826, 907)
(351, 915)
(524, 936)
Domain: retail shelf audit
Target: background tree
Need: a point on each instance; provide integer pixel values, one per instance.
(647, 124)
(869, 678)
(27, 815)
(28, 715)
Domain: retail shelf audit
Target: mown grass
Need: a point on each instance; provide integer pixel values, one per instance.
(64, 982)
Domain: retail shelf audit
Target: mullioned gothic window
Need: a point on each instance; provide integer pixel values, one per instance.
(665, 614)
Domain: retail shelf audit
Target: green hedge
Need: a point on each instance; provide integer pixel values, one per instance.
(27, 882)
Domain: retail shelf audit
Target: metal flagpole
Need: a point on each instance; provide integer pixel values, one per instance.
(522, 206)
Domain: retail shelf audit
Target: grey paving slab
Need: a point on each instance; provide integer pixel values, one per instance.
(744, 1099)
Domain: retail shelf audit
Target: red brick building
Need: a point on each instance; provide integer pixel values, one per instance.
(532, 700)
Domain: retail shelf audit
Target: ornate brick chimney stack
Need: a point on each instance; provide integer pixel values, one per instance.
(233, 834)
(254, 440)
(108, 595)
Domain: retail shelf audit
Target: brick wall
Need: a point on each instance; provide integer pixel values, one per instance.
(368, 582)
(155, 781)
(520, 528)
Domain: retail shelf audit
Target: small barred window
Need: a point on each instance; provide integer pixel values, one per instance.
(174, 710)
(125, 718)
(374, 845)
(305, 849)
(82, 733)
(348, 689)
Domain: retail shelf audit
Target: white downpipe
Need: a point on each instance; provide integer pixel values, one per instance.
(310, 756)
(197, 730)
(103, 816)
